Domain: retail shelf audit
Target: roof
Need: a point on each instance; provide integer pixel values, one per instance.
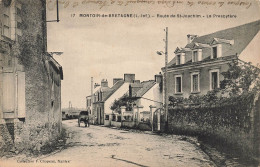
(147, 85)
(136, 87)
(56, 66)
(241, 35)
(113, 89)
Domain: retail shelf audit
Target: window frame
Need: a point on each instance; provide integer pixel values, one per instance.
(210, 78)
(178, 59)
(192, 74)
(197, 51)
(212, 52)
(6, 24)
(178, 76)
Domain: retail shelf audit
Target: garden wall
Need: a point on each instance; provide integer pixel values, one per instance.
(116, 124)
(234, 124)
(128, 124)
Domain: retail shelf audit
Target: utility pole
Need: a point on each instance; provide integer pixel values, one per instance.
(92, 96)
(165, 77)
(165, 80)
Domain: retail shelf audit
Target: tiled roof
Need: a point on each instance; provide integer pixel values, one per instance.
(241, 35)
(112, 90)
(102, 89)
(147, 85)
(136, 87)
(207, 59)
(172, 62)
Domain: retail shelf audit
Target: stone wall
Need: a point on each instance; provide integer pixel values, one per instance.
(42, 122)
(235, 126)
(129, 124)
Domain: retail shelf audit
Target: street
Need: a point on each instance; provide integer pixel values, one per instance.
(103, 146)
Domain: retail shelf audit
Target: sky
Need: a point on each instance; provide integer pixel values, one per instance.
(106, 48)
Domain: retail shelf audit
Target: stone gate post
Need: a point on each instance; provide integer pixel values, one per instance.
(139, 110)
(152, 109)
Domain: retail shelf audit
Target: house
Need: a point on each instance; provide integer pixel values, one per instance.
(30, 78)
(148, 93)
(197, 67)
(89, 103)
(105, 96)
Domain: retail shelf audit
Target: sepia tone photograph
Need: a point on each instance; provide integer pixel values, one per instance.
(125, 83)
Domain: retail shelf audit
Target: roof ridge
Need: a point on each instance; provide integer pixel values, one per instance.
(239, 26)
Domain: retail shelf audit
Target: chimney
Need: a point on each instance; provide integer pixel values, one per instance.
(137, 81)
(129, 78)
(116, 79)
(96, 85)
(158, 78)
(104, 83)
(190, 38)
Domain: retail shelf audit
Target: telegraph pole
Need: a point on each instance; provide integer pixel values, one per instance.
(92, 96)
(165, 80)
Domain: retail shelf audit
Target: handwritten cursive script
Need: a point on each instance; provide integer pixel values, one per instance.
(51, 4)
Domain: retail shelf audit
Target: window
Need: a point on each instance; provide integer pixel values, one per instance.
(195, 83)
(178, 84)
(18, 11)
(114, 118)
(195, 56)
(9, 62)
(6, 26)
(214, 52)
(19, 25)
(214, 79)
(178, 60)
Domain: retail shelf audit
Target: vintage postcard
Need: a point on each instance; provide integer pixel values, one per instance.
(129, 83)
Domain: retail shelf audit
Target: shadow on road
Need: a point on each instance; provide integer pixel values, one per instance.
(130, 162)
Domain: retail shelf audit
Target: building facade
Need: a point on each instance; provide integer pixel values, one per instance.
(197, 67)
(30, 78)
(148, 94)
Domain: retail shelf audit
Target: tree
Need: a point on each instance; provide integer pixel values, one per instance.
(123, 101)
(241, 77)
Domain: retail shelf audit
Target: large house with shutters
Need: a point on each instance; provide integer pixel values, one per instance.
(197, 67)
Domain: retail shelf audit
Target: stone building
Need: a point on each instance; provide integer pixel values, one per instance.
(197, 67)
(30, 78)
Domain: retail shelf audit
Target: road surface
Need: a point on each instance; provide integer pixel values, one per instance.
(98, 146)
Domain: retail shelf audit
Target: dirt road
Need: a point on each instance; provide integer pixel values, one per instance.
(102, 146)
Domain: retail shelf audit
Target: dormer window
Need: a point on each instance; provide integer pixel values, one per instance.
(195, 56)
(214, 52)
(216, 47)
(178, 59)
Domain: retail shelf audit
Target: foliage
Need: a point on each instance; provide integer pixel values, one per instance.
(240, 77)
(123, 101)
(241, 80)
